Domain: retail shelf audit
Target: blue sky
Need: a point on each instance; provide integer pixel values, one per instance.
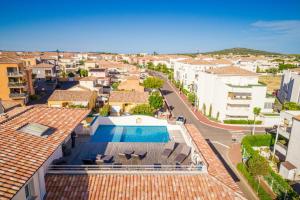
(130, 26)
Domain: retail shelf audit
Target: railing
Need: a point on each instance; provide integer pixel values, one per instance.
(15, 95)
(14, 74)
(83, 169)
(16, 84)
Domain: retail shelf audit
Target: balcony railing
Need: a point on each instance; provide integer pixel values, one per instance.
(285, 131)
(16, 84)
(14, 74)
(281, 148)
(17, 95)
(115, 168)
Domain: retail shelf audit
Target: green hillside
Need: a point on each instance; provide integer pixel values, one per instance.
(242, 51)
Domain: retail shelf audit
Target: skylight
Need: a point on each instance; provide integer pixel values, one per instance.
(36, 129)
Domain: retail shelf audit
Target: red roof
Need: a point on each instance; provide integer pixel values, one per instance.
(22, 154)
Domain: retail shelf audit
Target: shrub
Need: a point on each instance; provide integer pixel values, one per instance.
(77, 106)
(241, 121)
(104, 111)
(262, 194)
(142, 109)
(192, 98)
(156, 100)
(210, 110)
(291, 106)
(185, 92)
(115, 85)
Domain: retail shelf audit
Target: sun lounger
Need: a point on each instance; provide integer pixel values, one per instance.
(185, 151)
(139, 154)
(168, 149)
(126, 154)
(107, 159)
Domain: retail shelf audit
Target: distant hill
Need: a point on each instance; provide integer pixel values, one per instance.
(241, 51)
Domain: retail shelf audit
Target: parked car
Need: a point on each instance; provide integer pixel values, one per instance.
(180, 120)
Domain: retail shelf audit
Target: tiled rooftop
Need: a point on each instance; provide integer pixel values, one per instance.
(129, 96)
(231, 70)
(70, 95)
(216, 184)
(21, 154)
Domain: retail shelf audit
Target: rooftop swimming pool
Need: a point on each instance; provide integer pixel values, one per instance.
(112, 133)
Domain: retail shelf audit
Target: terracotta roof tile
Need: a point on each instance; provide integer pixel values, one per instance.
(70, 95)
(22, 154)
(231, 70)
(129, 96)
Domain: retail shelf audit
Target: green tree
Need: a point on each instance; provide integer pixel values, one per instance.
(256, 112)
(71, 75)
(115, 85)
(104, 111)
(153, 83)
(142, 109)
(81, 62)
(258, 166)
(156, 100)
(272, 70)
(150, 65)
(82, 72)
(192, 98)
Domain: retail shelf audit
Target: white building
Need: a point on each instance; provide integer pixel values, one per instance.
(231, 93)
(187, 71)
(98, 72)
(254, 63)
(290, 86)
(287, 146)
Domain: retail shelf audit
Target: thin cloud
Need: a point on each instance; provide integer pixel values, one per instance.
(287, 27)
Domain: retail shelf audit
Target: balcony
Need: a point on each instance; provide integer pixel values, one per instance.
(15, 74)
(17, 95)
(16, 84)
(239, 100)
(285, 131)
(281, 148)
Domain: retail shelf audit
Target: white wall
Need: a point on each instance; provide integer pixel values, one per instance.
(293, 153)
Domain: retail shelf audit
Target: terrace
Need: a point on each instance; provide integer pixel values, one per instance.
(83, 157)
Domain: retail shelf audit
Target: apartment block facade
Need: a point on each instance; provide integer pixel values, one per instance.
(15, 80)
(231, 93)
(287, 146)
(290, 86)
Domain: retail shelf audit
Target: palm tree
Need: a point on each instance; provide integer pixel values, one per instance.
(256, 112)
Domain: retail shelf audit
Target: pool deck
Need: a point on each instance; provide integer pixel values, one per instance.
(84, 148)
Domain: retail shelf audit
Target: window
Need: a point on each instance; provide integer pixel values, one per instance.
(268, 105)
(29, 190)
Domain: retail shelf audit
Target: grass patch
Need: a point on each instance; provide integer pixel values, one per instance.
(272, 82)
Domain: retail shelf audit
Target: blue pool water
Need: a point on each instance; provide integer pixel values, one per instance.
(110, 133)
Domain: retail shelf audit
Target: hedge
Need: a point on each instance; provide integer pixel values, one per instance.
(259, 140)
(241, 121)
(262, 194)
